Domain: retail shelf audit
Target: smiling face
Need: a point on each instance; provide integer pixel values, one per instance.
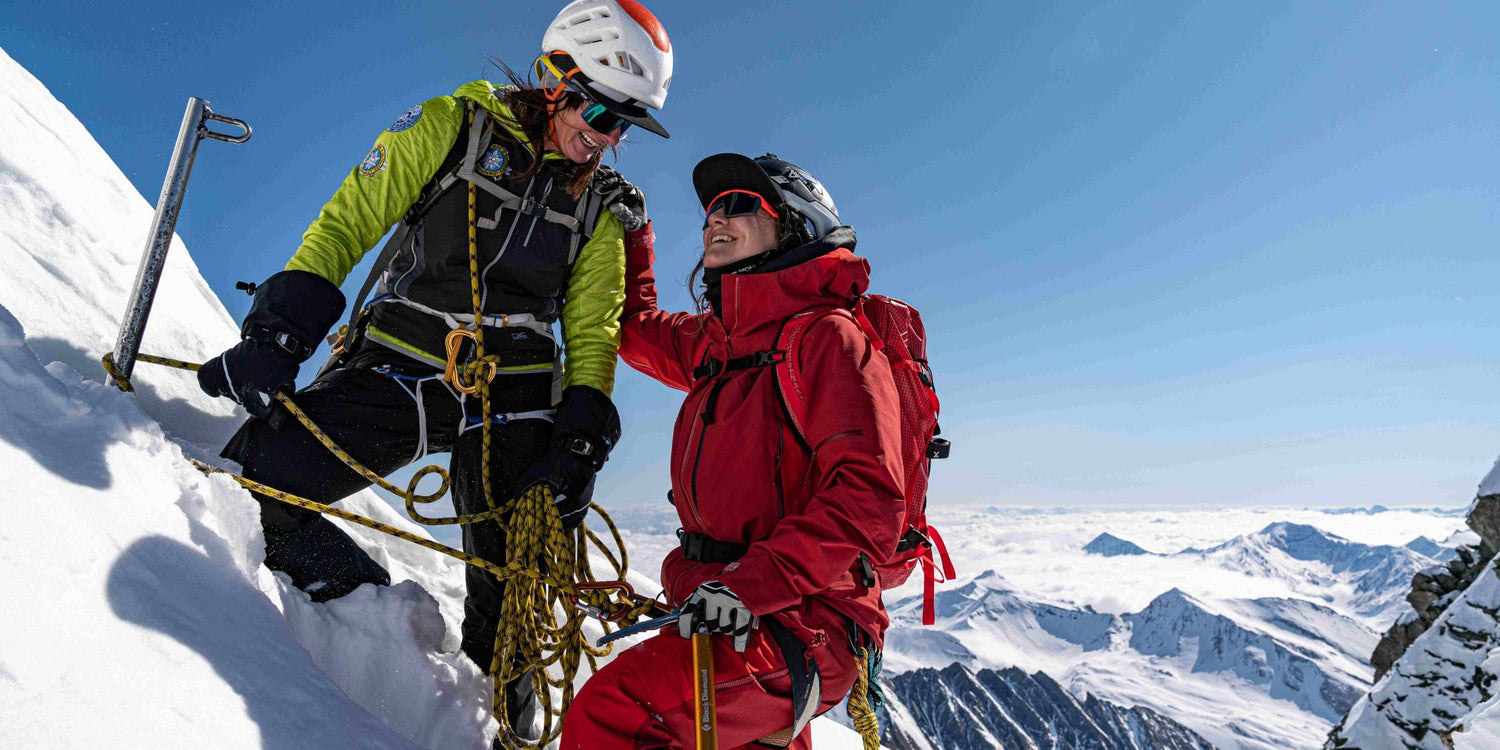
(726, 240)
(575, 139)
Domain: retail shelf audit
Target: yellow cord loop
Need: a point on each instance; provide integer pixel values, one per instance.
(860, 711)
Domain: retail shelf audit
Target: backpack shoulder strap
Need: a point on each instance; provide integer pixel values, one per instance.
(790, 382)
(434, 189)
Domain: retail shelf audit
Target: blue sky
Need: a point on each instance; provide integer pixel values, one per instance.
(1167, 253)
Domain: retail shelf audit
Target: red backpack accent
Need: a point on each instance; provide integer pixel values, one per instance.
(895, 328)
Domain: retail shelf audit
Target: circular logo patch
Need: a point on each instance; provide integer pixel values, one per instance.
(406, 120)
(373, 163)
(493, 162)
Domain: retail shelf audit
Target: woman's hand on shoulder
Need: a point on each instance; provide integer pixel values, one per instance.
(626, 201)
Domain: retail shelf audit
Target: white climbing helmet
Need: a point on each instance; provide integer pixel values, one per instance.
(620, 48)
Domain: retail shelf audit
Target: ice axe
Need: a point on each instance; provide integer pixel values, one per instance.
(121, 362)
(704, 710)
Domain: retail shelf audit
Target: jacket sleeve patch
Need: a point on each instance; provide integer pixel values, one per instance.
(494, 162)
(374, 162)
(406, 120)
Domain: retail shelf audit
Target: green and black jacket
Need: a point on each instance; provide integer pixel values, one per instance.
(524, 258)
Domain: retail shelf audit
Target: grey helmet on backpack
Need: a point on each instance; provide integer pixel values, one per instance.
(782, 183)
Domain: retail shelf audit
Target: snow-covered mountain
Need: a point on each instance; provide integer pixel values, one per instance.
(138, 613)
(1424, 546)
(1177, 625)
(1293, 666)
(960, 708)
(1369, 581)
(1109, 545)
(986, 623)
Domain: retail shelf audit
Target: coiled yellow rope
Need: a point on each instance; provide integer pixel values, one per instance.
(546, 572)
(549, 585)
(860, 710)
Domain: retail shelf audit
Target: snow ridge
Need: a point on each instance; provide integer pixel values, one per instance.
(1371, 580)
(1176, 623)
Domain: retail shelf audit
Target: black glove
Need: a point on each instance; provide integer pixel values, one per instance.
(713, 608)
(291, 312)
(625, 201)
(584, 431)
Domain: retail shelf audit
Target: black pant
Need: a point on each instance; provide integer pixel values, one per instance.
(382, 420)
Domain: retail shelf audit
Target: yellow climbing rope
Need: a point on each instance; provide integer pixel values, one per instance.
(860, 710)
(549, 585)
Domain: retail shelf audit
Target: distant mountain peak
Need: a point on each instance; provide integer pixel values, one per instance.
(1177, 624)
(1109, 545)
(1424, 546)
(1292, 530)
(1175, 595)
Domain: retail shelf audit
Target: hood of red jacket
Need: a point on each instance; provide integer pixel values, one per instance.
(756, 302)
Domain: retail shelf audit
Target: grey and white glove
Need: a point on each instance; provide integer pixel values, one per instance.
(713, 608)
(626, 201)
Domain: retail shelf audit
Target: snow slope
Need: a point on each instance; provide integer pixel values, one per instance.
(138, 613)
(70, 246)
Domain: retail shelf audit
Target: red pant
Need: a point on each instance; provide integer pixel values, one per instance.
(644, 698)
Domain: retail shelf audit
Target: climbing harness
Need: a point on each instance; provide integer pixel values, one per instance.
(546, 571)
(550, 586)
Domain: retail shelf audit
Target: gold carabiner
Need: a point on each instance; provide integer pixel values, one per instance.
(456, 374)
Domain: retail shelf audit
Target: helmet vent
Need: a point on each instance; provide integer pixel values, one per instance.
(578, 19)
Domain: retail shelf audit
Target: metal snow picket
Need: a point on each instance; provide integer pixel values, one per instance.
(163, 224)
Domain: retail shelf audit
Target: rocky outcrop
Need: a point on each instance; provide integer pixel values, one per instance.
(1436, 587)
(1440, 665)
(1484, 519)
(1442, 687)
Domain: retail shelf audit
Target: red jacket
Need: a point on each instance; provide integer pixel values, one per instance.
(741, 474)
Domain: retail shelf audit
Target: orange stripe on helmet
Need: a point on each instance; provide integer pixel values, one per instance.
(648, 22)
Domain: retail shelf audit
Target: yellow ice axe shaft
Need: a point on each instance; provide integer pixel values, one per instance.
(703, 692)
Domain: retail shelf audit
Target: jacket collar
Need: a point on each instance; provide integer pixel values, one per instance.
(825, 272)
(488, 95)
